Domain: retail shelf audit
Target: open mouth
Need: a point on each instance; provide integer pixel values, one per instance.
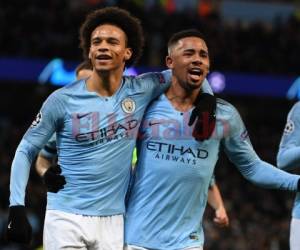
(195, 73)
(103, 57)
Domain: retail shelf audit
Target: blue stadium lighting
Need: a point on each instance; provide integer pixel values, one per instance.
(56, 74)
(294, 90)
(217, 81)
(59, 72)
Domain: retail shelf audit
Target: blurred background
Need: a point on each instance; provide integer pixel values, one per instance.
(254, 50)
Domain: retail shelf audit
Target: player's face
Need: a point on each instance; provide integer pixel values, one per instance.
(189, 61)
(108, 49)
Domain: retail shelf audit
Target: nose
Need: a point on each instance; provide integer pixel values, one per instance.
(103, 46)
(197, 60)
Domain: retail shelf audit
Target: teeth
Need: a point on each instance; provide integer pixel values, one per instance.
(196, 71)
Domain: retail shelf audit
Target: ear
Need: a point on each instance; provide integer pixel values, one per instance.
(128, 54)
(169, 62)
(90, 54)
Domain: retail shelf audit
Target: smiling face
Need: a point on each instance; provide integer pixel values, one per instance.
(189, 61)
(108, 51)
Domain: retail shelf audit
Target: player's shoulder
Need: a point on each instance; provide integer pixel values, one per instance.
(296, 107)
(69, 89)
(77, 85)
(224, 108)
(144, 81)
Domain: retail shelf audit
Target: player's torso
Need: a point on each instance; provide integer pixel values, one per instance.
(95, 142)
(173, 174)
(167, 147)
(94, 123)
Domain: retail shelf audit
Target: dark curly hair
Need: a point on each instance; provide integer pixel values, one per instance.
(120, 18)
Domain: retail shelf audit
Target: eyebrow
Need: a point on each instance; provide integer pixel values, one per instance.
(105, 38)
(189, 50)
(193, 50)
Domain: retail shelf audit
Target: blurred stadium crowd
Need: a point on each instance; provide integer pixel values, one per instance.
(48, 29)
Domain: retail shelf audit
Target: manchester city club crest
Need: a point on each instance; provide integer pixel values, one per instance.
(128, 105)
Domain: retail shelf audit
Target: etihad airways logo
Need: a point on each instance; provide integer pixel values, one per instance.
(176, 153)
(175, 149)
(86, 128)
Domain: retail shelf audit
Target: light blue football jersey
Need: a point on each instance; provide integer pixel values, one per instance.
(95, 139)
(288, 157)
(49, 150)
(173, 173)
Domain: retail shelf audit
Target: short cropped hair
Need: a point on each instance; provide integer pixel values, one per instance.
(120, 18)
(183, 34)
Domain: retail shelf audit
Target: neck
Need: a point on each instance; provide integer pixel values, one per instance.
(180, 98)
(104, 83)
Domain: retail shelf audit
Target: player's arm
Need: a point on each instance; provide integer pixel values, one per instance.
(240, 151)
(167, 74)
(159, 82)
(216, 202)
(50, 172)
(47, 156)
(43, 164)
(34, 139)
(288, 157)
(47, 167)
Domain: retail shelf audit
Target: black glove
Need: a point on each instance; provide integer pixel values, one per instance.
(18, 227)
(53, 179)
(205, 112)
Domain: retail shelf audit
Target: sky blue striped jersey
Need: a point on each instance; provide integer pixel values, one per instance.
(169, 192)
(95, 139)
(288, 157)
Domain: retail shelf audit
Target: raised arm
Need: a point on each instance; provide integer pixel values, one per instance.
(240, 151)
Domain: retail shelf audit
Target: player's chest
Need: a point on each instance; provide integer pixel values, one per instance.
(94, 118)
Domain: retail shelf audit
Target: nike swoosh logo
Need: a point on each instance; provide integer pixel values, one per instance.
(79, 116)
(9, 225)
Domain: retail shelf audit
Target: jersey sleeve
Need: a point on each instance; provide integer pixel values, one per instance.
(288, 156)
(206, 87)
(159, 82)
(212, 181)
(46, 122)
(155, 83)
(238, 148)
(49, 150)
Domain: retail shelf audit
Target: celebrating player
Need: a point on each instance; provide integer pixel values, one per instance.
(288, 158)
(169, 193)
(96, 121)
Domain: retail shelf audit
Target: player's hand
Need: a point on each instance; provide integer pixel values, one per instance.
(205, 115)
(18, 227)
(53, 179)
(221, 219)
